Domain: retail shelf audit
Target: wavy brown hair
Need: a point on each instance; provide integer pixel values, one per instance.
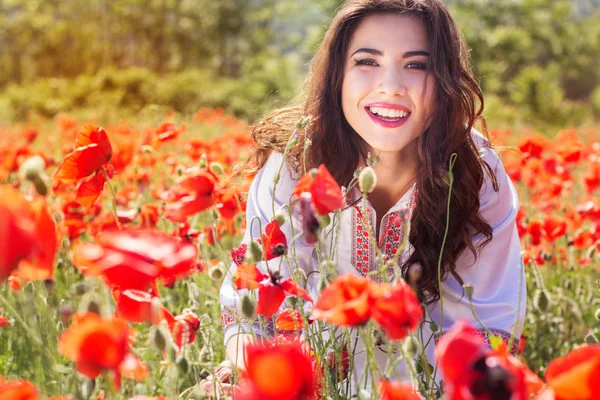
(458, 106)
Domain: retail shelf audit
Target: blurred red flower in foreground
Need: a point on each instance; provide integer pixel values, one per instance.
(135, 259)
(271, 290)
(397, 390)
(352, 300)
(345, 302)
(277, 371)
(97, 344)
(28, 236)
(18, 389)
(473, 371)
(89, 160)
(326, 194)
(574, 376)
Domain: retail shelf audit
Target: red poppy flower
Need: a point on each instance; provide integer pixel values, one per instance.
(271, 292)
(396, 308)
(396, 390)
(28, 236)
(192, 194)
(184, 328)
(136, 306)
(4, 321)
(228, 203)
(95, 344)
(289, 320)
(345, 302)
(277, 371)
(325, 192)
(274, 241)
(93, 151)
(472, 371)
(134, 259)
(18, 389)
(576, 375)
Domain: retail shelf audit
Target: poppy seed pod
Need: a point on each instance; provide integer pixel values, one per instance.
(254, 253)
(367, 180)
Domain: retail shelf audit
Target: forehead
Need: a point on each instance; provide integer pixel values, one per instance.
(391, 32)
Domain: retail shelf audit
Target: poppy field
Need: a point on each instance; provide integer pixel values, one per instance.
(114, 241)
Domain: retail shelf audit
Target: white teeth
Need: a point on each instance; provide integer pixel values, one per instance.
(388, 112)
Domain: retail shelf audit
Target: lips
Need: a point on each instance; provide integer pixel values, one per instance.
(385, 121)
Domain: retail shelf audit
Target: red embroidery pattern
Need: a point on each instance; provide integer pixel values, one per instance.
(363, 251)
(505, 336)
(232, 316)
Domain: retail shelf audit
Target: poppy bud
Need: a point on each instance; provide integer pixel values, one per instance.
(203, 162)
(32, 168)
(216, 272)
(147, 149)
(433, 326)
(541, 300)
(254, 253)
(468, 288)
(324, 220)
(248, 307)
(292, 142)
(216, 168)
(159, 340)
(597, 315)
(367, 180)
(299, 276)
(411, 346)
(280, 218)
(364, 395)
(182, 364)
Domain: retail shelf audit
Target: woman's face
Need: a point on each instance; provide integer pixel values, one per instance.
(387, 95)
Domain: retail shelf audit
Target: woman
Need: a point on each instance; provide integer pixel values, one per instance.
(392, 79)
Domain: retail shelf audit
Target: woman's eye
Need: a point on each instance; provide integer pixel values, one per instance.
(365, 62)
(417, 65)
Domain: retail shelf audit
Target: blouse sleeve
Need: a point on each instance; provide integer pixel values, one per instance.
(497, 276)
(260, 208)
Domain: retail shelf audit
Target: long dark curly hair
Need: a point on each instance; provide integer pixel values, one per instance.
(459, 104)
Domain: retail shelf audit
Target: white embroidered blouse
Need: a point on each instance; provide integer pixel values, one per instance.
(497, 276)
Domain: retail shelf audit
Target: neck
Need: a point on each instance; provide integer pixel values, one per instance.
(396, 172)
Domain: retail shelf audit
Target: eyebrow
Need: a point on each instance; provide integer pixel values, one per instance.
(376, 52)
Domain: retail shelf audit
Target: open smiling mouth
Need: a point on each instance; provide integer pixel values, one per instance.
(387, 117)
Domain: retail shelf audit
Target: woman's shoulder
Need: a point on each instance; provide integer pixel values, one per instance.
(497, 192)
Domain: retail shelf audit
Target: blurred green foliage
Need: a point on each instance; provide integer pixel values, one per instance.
(537, 59)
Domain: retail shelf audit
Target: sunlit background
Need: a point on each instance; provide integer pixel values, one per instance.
(538, 60)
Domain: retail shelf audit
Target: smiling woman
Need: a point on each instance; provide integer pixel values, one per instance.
(391, 82)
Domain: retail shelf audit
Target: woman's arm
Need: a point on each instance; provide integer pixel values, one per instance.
(259, 212)
(497, 276)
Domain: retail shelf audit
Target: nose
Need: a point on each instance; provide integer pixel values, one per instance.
(391, 83)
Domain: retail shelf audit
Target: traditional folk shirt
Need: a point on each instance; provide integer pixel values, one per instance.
(497, 276)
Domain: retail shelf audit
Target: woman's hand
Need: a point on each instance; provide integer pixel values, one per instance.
(219, 384)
